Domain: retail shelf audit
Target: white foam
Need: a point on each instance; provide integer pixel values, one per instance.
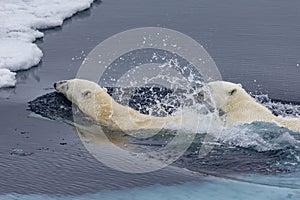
(19, 24)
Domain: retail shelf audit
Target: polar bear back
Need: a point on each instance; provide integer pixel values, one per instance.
(247, 112)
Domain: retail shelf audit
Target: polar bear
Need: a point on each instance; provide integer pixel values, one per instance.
(239, 107)
(96, 103)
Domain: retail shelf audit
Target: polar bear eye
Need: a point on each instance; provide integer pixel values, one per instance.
(86, 93)
(232, 92)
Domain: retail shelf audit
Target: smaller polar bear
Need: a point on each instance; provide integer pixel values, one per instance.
(239, 107)
(96, 103)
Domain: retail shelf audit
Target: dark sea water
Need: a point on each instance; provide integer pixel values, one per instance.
(255, 43)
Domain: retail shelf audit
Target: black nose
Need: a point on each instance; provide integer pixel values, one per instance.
(59, 83)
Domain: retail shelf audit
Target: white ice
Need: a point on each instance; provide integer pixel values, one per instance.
(19, 24)
(7, 78)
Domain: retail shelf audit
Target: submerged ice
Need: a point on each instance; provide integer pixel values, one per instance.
(209, 188)
(19, 24)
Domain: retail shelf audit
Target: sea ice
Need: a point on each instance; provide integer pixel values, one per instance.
(19, 24)
(7, 78)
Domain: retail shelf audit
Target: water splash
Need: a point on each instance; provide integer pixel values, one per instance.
(278, 107)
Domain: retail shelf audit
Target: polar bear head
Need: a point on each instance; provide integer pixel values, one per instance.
(78, 90)
(225, 94)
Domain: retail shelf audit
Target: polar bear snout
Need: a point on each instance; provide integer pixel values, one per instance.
(61, 86)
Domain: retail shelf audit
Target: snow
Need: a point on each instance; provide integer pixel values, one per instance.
(19, 24)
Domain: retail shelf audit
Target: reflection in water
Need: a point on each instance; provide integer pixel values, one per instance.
(30, 74)
(7, 92)
(22, 77)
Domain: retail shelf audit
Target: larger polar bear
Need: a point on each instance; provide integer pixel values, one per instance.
(238, 106)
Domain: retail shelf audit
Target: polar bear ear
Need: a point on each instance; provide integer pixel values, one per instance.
(240, 85)
(86, 93)
(232, 92)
